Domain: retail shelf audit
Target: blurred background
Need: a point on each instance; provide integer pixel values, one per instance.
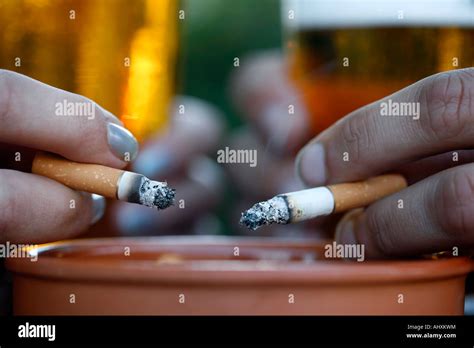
(83, 46)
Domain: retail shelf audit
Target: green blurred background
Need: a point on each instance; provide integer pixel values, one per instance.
(213, 34)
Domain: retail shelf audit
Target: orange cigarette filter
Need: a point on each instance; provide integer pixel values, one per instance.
(353, 195)
(105, 181)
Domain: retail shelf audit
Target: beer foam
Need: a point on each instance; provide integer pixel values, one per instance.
(377, 13)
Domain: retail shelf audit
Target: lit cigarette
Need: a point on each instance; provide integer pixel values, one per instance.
(308, 204)
(105, 181)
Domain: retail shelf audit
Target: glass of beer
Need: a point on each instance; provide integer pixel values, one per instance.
(119, 53)
(344, 54)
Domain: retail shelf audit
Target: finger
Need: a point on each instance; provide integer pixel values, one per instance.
(418, 170)
(34, 209)
(432, 215)
(196, 194)
(366, 142)
(262, 91)
(196, 128)
(39, 116)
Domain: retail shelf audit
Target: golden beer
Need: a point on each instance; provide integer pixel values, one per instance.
(120, 53)
(345, 54)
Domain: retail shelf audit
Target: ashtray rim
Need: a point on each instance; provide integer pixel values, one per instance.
(224, 272)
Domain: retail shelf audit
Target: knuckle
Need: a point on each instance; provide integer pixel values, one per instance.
(356, 137)
(456, 203)
(447, 98)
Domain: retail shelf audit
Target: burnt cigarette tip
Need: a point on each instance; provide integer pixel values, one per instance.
(268, 212)
(251, 219)
(164, 199)
(156, 194)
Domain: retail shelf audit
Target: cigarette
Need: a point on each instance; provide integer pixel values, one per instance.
(105, 181)
(319, 201)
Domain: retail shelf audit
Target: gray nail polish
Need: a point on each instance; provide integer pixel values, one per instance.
(122, 142)
(153, 162)
(98, 208)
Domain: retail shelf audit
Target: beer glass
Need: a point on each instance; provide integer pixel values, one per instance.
(344, 54)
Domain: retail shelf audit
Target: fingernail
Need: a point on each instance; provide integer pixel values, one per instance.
(153, 162)
(310, 164)
(98, 208)
(122, 142)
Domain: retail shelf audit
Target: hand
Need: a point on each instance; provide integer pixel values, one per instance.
(36, 209)
(433, 151)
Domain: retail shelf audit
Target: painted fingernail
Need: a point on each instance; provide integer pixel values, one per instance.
(310, 164)
(122, 143)
(98, 208)
(154, 162)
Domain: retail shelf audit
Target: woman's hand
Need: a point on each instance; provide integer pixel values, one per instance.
(35, 209)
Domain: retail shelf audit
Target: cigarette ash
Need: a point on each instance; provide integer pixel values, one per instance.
(269, 212)
(156, 194)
